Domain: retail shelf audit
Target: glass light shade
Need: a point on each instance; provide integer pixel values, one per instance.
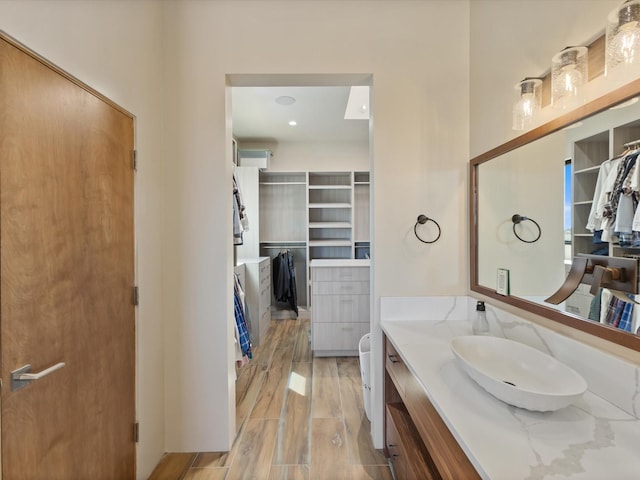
(568, 76)
(527, 102)
(623, 37)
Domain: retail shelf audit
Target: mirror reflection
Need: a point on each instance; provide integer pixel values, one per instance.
(581, 187)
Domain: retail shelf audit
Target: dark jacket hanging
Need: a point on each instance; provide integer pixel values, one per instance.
(284, 280)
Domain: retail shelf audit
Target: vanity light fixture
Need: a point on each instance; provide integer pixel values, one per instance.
(527, 102)
(568, 75)
(623, 36)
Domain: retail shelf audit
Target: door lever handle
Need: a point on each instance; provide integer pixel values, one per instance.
(23, 376)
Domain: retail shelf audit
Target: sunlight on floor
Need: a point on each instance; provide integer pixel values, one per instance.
(297, 383)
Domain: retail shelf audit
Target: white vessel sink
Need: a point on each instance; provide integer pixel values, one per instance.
(518, 374)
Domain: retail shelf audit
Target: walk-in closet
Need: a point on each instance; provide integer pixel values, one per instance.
(306, 188)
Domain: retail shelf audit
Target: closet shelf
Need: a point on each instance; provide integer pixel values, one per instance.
(283, 183)
(329, 187)
(330, 225)
(329, 205)
(329, 243)
(595, 169)
(282, 242)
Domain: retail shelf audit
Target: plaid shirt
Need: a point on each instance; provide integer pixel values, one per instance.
(244, 340)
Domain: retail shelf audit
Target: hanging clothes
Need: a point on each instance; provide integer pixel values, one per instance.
(615, 199)
(284, 279)
(240, 220)
(620, 314)
(242, 328)
(600, 197)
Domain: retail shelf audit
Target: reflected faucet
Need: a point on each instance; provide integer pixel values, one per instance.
(617, 274)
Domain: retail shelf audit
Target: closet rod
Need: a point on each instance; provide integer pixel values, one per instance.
(635, 142)
(283, 247)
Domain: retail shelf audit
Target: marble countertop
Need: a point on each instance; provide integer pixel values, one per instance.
(591, 439)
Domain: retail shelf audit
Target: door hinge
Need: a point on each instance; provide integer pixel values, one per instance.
(134, 160)
(136, 296)
(136, 432)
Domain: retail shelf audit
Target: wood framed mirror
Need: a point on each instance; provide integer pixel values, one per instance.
(530, 176)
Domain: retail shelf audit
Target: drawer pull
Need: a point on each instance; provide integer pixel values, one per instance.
(393, 358)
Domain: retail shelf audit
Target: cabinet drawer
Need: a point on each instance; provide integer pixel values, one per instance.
(339, 274)
(265, 295)
(337, 336)
(340, 308)
(265, 266)
(340, 288)
(265, 320)
(397, 455)
(396, 368)
(410, 458)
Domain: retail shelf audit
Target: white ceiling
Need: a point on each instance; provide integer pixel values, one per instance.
(318, 111)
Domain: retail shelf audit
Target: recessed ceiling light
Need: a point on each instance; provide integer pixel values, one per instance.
(285, 100)
(293, 123)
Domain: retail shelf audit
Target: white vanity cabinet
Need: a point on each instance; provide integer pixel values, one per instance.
(257, 289)
(340, 306)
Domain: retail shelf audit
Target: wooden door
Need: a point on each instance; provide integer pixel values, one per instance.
(66, 275)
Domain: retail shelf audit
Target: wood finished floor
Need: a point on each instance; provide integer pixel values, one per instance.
(299, 418)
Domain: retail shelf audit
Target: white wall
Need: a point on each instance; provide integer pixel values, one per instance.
(324, 156)
(420, 150)
(115, 47)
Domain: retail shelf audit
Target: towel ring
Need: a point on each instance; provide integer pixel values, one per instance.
(422, 219)
(516, 219)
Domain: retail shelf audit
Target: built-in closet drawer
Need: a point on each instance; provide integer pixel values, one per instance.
(257, 289)
(339, 308)
(340, 288)
(341, 337)
(340, 274)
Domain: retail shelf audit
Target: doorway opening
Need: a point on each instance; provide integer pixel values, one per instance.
(302, 161)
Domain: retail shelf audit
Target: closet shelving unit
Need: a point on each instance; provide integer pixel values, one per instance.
(588, 155)
(316, 215)
(330, 203)
(283, 220)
